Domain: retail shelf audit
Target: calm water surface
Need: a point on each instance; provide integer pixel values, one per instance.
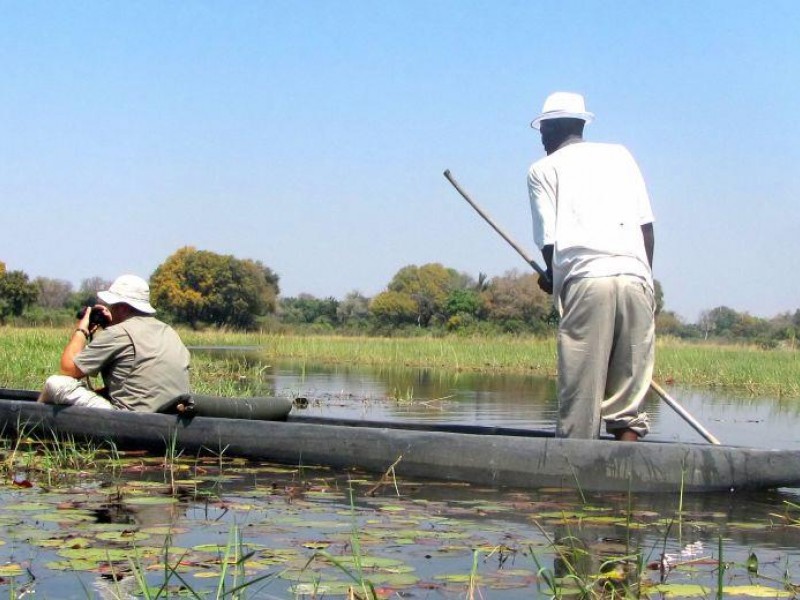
(519, 401)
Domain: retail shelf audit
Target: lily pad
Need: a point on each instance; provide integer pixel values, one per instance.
(682, 590)
(756, 591)
(151, 500)
(11, 570)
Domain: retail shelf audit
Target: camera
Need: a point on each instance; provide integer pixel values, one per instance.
(96, 317)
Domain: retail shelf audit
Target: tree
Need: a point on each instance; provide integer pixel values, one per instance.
(463, 302)
(669, 323)
(659, 296)
(428, 286)
(16, 293)
(515, 300)
(87, 292)
(720, 320)
(53, 293)
(394, 308)
(354, 309)
(307, 308)
(199, 286)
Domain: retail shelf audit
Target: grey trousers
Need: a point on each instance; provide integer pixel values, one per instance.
(606, 351)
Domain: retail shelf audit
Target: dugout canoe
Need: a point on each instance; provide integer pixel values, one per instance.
(501, 457)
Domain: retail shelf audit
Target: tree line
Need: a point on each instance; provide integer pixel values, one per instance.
(199, 288)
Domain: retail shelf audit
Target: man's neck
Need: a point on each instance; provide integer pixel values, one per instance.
(571, 139)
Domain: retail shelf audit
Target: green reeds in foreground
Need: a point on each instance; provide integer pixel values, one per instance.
(53, 460)
(28, 356)
(232, 582)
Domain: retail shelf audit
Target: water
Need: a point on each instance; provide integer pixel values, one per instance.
(432, 535)
(521, 401)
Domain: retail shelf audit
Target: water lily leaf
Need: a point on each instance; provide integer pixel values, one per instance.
(733, 526)
(164, 530)
(280, 552)
(212, 548)
(458, 577)
(149, 500)
(682, 590)
(66, 516)
(599, 520)
(72, 565)
(206, 574)
(318, 589)
(75, 542)
(395, 579)
(96, 554)
(144, 484)
(320, 545)
(123, 536)
(10, 570)
(560, 514)
(28, 506)
(756, 591)
(28, 534)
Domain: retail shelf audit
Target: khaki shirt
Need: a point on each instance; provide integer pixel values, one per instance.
(143, 362)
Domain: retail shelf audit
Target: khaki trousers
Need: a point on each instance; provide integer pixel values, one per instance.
(606, 351)
(63, 389)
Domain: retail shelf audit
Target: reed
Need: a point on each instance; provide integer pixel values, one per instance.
(28, 356)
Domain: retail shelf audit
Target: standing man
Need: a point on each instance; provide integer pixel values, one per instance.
(593, 223)
(144, 363)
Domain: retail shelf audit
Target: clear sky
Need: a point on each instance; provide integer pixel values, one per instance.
(312, 135)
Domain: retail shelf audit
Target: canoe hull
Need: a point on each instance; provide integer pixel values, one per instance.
(517, 461)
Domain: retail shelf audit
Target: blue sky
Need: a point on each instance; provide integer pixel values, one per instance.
(312, 135)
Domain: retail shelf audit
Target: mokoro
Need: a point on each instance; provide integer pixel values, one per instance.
(502, 457)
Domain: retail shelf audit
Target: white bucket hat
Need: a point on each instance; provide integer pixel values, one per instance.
(563, 105)
(131, 290)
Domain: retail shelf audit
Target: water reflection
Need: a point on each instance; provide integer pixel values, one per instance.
(507, 400)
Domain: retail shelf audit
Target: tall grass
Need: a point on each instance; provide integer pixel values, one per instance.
(27, 356)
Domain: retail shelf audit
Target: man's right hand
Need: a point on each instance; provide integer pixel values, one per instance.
(546, 281)
(546, 284)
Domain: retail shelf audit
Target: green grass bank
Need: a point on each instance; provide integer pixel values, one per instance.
(28, 356)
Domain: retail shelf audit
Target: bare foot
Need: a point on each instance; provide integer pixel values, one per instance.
(626, 435)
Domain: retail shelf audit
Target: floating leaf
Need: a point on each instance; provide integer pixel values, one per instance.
(123, 536)
(10, 570)
(682, 590)
(150, 500)
(74, 542)
(756, 591)
(72, 565)
(207, 574)
(96, 554)
(28, 506)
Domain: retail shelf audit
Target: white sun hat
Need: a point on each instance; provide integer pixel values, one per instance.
(131, 290)
(563, 105)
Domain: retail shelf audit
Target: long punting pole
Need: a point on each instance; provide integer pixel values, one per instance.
(671, 402)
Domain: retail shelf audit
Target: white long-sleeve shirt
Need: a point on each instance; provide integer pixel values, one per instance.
(589, 201)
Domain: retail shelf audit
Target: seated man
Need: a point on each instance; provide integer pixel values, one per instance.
(143, 362)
